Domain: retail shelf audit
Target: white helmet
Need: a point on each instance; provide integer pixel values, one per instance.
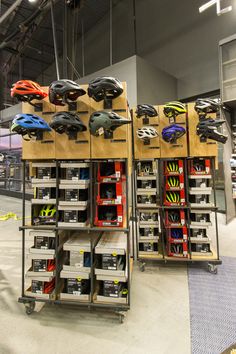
(2, 157)
(146, 133)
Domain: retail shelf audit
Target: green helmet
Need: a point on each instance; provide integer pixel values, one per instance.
(103, 121)
(173, 109)
(47, 211)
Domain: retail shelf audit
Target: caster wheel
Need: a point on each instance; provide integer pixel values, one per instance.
(142, 267)
(29, 308)
(212, 268)
(121, 318)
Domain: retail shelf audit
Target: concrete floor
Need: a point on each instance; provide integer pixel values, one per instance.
(158, 321)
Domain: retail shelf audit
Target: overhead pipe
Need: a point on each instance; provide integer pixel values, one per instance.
(9, 11)
(55, 41)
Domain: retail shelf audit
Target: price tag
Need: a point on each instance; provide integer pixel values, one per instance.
(79, 279)
(116, 282)
(81, 251)
(114, 254)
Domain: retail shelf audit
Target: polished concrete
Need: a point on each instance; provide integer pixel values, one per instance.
(158, 321)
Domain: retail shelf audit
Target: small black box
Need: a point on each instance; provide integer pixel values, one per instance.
(72, 195)
(39, 265)
(109, 262)
(44, 172)
(78, 287)
(44, 193)
(70, 216)
(44, 242)
(73, 174)
(37, 286)
(111, 288)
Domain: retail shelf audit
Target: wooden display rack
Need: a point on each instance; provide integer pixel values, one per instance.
(196, 147)
(173, 150)
(142, 151)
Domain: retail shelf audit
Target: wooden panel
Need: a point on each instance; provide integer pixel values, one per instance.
(79, 148)
(142, 151)
(196, 147)
(40, 149)
(118, 147)
(173, 150)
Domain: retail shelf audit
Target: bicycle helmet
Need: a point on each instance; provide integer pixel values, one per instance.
(30, 124)
(207, 128)
(172, 197)
(173, 181)
(172, 166)
(173, 216)
(176, 233)
(173, 132)
(104, 87)
(173, 109)
(48, 211)
(64, 91)
(145, 110)
(103, 121)
(65, 122)
(206, 105)
(27, 90)
(2, 157)
(146, 132)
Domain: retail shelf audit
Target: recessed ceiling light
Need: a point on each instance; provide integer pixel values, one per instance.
(219, 11)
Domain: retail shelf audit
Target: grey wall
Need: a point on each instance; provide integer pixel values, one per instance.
(154, 86)
(124, 71)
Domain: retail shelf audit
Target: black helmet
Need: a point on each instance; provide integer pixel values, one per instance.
(207, 128)
(64, 91)
(103, 87)
(206, 105)
(108, 121)
(145, 110)
(67, 122)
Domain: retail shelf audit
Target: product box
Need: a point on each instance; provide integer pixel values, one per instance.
(110, 193)
(175, 217)
(46, 172)
(174, 167)
(75, 195)
(177, 235)
(174, 182)
(42, 287)
(46, 193)
(111, 215)
(172, 198)
(199, 166)
(43, 265)
(110, 171)
(146, 184)
(146, 168)
(44, 242)
(76, 259)
(177, 249)
(147, 217)
(77, 286)
(146, 200)
(113, 262)
(148, 232)
(70, 216)
(112, 288)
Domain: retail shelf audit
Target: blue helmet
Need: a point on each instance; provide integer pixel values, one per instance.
(173, 132)
(29, 124)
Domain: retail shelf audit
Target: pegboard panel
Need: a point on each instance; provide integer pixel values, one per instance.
(45, 148)
(80, 147)
(173, 150)
(196, 147)
(142, 151)
(118, 146)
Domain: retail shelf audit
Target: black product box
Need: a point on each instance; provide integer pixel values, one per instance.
(78, 286)
(70, 216)
(44, 173)
(109, 262)
(72, 195)
(73, 174)
(44, 242)
(37, 286)
(111, 288)
(44, 193)
(39, 265)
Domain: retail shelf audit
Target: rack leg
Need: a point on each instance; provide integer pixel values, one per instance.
(212, 268)
(142, 266)
(29, 307)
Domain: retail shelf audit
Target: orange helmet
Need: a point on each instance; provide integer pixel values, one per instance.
(26, 90)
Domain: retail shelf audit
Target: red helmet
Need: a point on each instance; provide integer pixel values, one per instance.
(26, 90)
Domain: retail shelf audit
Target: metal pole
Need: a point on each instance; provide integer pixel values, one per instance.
(134, 23)
(54, 41)
(83, 65)
(9, 11)
(111, 59)
(65, 35)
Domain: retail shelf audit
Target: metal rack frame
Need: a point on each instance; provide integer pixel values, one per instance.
(29, 301)
(163, 258)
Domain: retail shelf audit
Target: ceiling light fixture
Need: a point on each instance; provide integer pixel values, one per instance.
(32, 0)
(219, 11)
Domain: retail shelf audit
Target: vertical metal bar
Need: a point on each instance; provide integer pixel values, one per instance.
(188, 221)
(111, 59)
(127, 226)
(82, 40)
(56, 230)
(23, 231)
(161, 209)
(135, 27)
(55, 41)
(65, 49)
(216, 217)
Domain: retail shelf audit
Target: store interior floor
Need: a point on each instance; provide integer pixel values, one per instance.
(158, 322)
